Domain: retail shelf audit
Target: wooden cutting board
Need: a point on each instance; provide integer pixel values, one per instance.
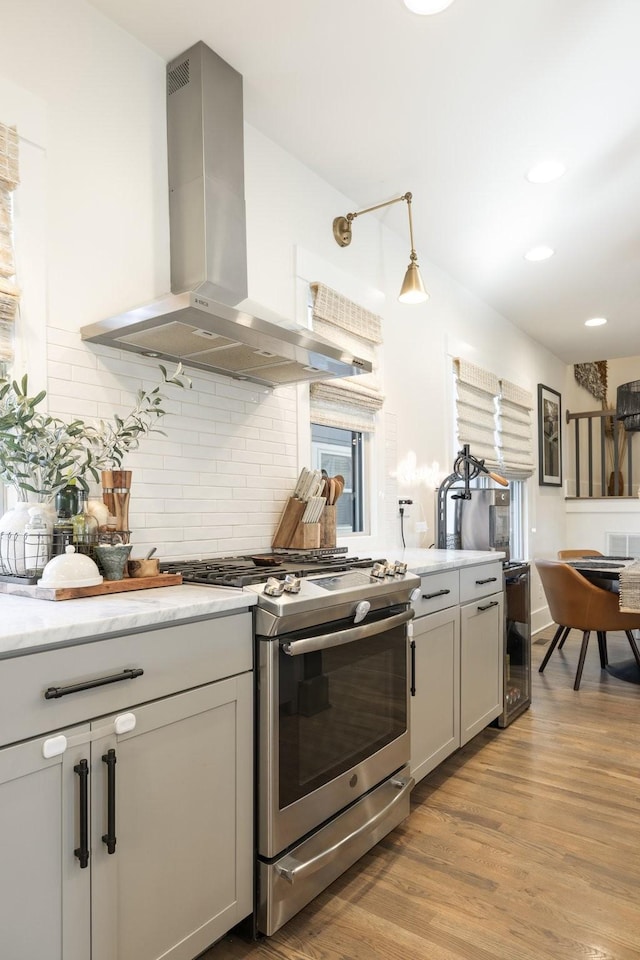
(103, 589)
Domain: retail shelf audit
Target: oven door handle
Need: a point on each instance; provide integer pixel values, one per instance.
(293, 870)
(295, 648)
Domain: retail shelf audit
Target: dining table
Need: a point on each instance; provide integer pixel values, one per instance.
(605, 572)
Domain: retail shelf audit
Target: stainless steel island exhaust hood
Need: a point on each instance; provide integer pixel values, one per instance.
(206, 322)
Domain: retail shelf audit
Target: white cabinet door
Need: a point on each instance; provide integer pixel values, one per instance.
(44, 904)
(435, 690)
(481, 663)
(181, 873)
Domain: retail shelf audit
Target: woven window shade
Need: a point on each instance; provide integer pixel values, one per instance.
(515, 437)
(350, 403)
(9, 294)
(476, 390)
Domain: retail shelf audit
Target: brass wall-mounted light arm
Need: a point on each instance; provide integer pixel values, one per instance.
(412, 290)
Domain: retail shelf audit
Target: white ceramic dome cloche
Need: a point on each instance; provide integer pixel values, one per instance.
(70, 569)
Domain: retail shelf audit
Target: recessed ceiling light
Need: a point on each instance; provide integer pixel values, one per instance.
(427, 7)
(595, 322)
(539, 253)
(546, 171)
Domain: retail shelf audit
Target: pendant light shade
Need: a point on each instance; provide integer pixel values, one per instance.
(412, 290)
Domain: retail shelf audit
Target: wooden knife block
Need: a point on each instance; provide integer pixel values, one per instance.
(306, 536)
(292, 532)
(328, 527)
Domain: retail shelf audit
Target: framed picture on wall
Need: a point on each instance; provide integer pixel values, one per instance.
(549, 437)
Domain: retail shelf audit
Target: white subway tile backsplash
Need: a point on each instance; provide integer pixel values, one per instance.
(216, 483)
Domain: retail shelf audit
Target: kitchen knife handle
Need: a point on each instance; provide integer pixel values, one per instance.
(82, 851)
(110, 836)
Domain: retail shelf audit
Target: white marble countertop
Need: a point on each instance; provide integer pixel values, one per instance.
(431, 561)
(27, 624)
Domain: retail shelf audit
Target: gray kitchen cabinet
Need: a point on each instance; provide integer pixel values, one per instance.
(45, 905)
(181, 873)
(457, 650)
(435, 693)
(169, 778)
(481, 658)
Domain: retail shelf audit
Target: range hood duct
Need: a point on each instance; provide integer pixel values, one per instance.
(207, 322)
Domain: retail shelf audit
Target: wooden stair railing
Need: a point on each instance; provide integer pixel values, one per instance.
(612, 441)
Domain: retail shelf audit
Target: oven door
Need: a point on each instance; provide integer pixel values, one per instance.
(333, 722)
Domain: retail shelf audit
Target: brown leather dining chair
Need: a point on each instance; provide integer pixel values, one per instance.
(573, 555)
(576, 603)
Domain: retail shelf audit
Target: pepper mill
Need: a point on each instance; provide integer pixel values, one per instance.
(116, 491)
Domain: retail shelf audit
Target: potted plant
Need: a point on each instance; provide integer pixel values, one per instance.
(40, 454)
(110, 440)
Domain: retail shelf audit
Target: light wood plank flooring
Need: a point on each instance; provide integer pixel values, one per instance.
(525, 845)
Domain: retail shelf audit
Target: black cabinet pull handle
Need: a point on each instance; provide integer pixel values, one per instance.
(413, 668)
(110, 836)
(54, 693)
(82, 852)
(479, 583)
(438, 593)
(494, 603)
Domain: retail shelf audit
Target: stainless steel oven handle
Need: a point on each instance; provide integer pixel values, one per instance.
(308, 644)
(293, 870)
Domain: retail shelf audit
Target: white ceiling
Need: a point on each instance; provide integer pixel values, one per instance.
(455, 108)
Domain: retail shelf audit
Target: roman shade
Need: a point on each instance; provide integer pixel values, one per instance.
(475, 407)
(9, 294)
(349, 403)
(515, 440)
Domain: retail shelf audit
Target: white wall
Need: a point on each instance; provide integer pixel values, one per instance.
(232, 451)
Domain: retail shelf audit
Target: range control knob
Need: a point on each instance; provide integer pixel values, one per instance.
(379, 571)
(400, 568)
(291, 584)
(415, 594)
(362, 609)
(274, 587)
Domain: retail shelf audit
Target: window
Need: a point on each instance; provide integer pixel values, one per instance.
(344, 411)
(493, 416)
(340, 452)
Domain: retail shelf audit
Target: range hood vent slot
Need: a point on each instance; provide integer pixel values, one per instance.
(203, 322)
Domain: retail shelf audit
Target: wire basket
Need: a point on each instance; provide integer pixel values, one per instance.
(23, 556)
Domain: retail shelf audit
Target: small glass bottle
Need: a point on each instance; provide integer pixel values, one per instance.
(66, 507)
(85, 527)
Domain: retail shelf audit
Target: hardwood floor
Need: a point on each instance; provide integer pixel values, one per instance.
(525, 845)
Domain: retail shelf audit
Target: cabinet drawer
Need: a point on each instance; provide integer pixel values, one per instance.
(172, 659)
(437, 591)
(480, 581)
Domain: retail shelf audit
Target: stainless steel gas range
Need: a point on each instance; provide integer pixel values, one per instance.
(332, 710)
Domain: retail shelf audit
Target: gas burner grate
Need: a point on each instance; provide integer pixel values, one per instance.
(244, 571)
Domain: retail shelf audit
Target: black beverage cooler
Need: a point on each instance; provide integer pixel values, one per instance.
(517, 657)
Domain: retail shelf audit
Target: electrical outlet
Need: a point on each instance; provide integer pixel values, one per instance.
(404, 505)
(422, 526)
